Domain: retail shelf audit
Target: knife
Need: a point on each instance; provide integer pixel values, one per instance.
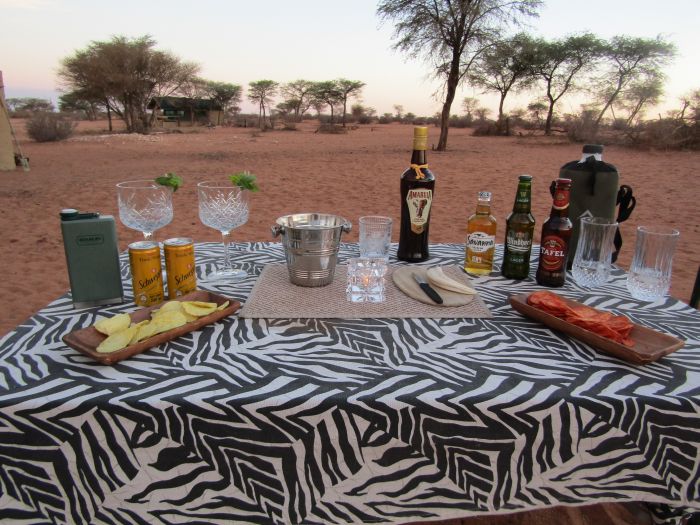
(429, 290)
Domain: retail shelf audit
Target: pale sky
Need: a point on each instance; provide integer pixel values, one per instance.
(242, 41)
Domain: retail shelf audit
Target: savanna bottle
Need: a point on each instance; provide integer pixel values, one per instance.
(481, 237)
(417, 189)
(556, 234)
(520, 226)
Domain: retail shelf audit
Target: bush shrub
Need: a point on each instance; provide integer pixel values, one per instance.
(49, 127)
(487, 128)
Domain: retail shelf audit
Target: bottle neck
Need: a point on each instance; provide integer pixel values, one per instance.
(419, 157)
(560, 203)
(522, 199)
(483, 208)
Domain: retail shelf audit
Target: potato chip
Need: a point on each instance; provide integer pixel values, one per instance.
(167, 321)
(198, 308)
(114, 324)
(117, 340)
(144, 332)
(190, 317)
(222, 306)
(170, 306)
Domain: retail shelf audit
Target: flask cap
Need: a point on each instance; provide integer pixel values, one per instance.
(593, 148)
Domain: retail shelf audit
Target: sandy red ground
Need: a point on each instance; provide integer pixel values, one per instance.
(351, 175)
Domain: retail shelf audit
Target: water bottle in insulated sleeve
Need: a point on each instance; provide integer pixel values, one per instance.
(594, 191)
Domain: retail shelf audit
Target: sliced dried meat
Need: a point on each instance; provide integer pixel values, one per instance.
(605, 324)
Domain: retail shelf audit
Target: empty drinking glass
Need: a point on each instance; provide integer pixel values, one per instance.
(375, 236)
(224, 207)
(649, 278)
(145, 205)
(593, 258)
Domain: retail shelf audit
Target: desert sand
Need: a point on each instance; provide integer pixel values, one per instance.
(349, 174)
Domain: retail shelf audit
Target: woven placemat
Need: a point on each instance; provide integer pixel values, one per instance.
(273, 297)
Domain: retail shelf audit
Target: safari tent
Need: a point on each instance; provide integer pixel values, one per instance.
(183, 111)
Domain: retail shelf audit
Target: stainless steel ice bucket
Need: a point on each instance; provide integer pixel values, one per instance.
(311, 242)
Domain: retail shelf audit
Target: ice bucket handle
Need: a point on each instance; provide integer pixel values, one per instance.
(277, 230)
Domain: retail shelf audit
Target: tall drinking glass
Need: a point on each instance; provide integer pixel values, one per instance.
(593, 258)
(649, 278)
(145, 205)
(224, 207)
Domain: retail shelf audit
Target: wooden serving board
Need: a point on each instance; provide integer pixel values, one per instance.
(86, 340)
(649, 345)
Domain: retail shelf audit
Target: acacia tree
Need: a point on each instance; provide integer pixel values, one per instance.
(327, 92)
(451, 34)
(126, 73)
(346, 89)
(297, 97)
(641, 93)
(503, 67)
(227, 95)
(557, 63)
(630, 59)
(261, 93)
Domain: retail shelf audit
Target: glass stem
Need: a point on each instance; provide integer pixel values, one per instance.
(226, 237)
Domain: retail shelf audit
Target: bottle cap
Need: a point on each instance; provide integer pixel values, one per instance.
(484, 195)
(68, 213)
(420, 131)
(593, 148)
(525, 177)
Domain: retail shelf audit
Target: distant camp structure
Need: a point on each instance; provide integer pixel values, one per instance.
(8, 141)
(183, 111)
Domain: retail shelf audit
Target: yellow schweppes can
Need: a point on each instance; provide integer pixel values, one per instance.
(179, 264)
(146, 273)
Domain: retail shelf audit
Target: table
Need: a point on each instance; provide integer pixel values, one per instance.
(342, 421)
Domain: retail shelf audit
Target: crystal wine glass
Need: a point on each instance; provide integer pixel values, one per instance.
(145, 205)
(223, 206)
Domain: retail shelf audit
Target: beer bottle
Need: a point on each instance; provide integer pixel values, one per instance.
(520, 226)
(417, 186)
(481, 237)
(556, 233)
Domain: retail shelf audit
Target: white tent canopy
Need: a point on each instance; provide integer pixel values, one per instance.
(7, 152)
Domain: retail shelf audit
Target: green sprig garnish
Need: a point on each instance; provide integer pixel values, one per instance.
(170, 179)
(245, 180)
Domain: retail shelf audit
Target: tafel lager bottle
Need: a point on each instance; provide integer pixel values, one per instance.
(556, 234)
(520, 226)
(417, 187)
(481, 238)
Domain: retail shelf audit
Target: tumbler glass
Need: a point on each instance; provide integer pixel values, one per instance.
(649, 278)
(375, 236)
(366, 280)
(593, 258)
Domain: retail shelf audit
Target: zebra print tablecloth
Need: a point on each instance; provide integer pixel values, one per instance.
(345, 421)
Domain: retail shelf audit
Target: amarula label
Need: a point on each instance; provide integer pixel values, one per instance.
(419, 201)
(553, 253)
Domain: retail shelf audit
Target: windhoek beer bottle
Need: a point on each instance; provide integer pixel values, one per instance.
(481, 238)
(520, 226)
(556, 233)
(417, 187)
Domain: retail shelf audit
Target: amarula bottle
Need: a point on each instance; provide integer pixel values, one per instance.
(520, 226)
(417, 189)
(556, 233)
(481, 237)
